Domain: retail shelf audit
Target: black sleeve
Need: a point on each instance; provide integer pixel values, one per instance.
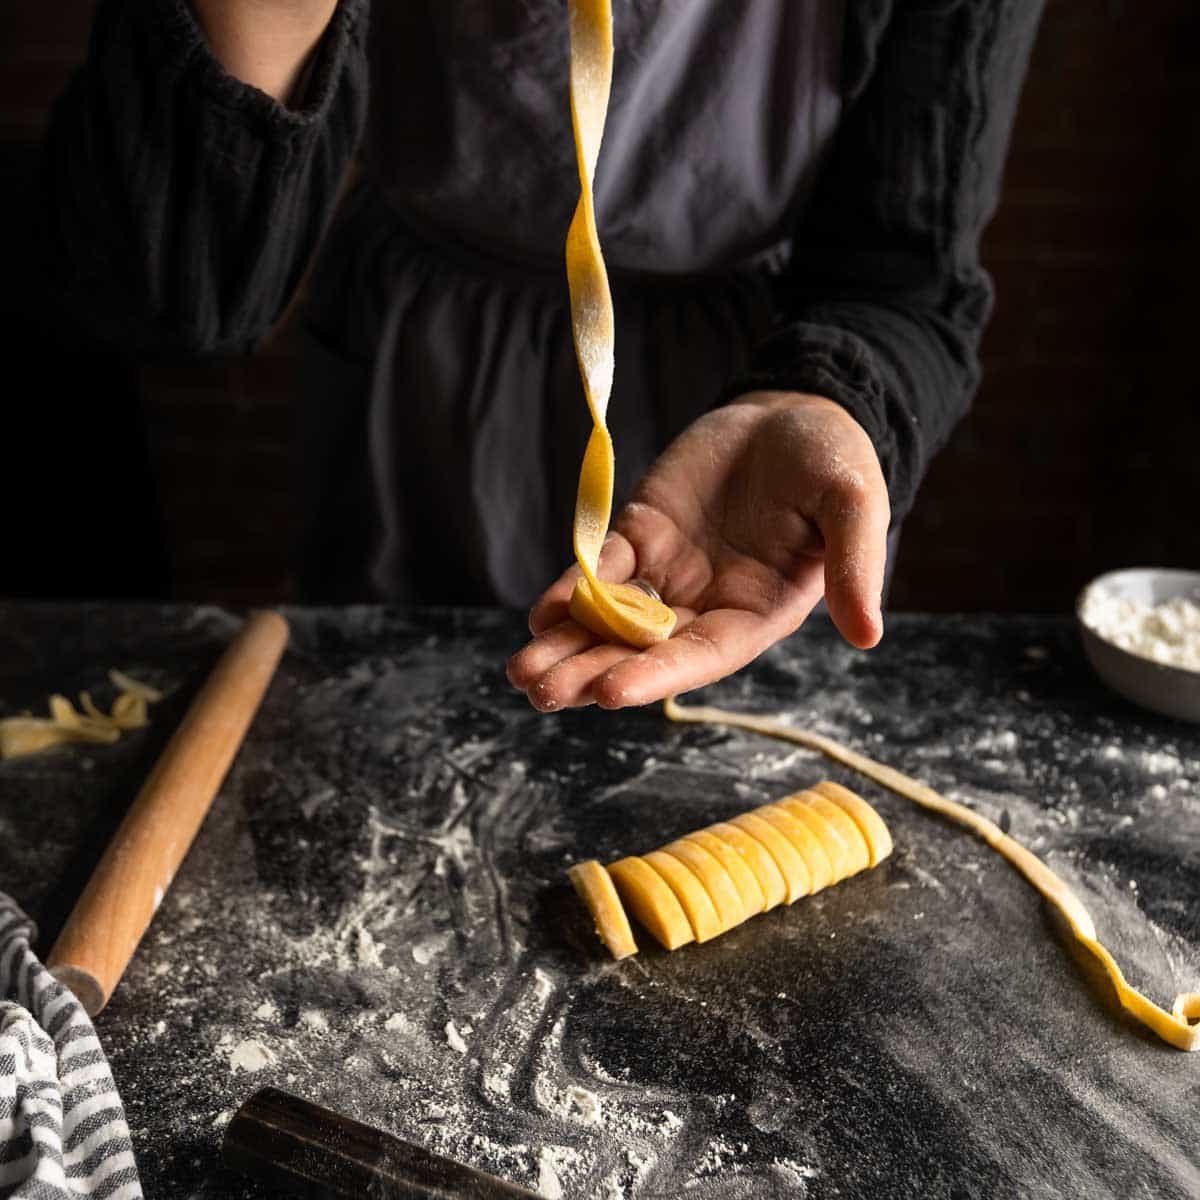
(176, 207)
(884, 300)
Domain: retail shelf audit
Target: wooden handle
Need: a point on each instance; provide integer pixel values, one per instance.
(129, 882)
(305, 1150)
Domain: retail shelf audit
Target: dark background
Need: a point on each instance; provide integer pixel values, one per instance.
(1080, 454)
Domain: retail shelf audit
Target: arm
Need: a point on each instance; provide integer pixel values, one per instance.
(885, 299)
(178, 205)
(778, 497)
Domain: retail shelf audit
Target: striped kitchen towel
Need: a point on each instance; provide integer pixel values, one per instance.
(62, 1127)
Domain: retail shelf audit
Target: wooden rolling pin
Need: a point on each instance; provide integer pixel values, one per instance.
(305, 1150)
(129, 882)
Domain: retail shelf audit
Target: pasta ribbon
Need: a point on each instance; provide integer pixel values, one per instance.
(616, 612)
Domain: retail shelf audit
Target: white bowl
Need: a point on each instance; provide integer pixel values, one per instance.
(1173, 691)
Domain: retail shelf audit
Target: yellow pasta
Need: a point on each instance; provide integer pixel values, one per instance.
(870, 824)
(749, 889)
(690, 892)
(1180, 1027)
(858, 856)
(595, 887)
(29, 735)
(616, 612)
(651, 901)
(825, 862)
(757, 859)
(712, 880)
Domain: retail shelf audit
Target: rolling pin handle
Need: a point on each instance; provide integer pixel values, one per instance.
(312, 1152)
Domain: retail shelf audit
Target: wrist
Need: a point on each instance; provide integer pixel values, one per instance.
(773, 401)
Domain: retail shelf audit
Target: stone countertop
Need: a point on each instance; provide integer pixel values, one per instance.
(375, 915)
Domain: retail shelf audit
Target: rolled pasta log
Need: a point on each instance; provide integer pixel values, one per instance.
(705, 883)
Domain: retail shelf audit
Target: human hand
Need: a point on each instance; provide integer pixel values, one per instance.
(747, 518)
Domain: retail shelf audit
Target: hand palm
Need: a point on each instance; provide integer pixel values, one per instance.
(736, 526)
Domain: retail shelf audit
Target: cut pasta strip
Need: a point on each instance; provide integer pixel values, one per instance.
(706, 882)
(869, 822)
(689, 891)
(616, 612)
(748, 888)
(756, 856)
(787, 858)
(714, 878)
(652, 902)
(126, 684)
(1180, 1027)
(595, 887)
(825, 861)
(858, 856)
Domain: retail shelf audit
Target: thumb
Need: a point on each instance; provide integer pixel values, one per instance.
(853, 519)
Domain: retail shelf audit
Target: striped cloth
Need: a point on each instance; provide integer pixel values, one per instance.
(62, 1127)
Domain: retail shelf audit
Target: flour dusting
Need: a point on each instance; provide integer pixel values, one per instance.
(1167, 633)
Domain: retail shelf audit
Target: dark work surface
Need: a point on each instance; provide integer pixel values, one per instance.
(374, 915)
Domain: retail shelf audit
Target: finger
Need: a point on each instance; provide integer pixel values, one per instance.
(570, 683)
(854, 523)
(546, 650)
(706, 649)
(616, 565)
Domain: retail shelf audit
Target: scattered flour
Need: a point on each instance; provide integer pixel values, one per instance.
(314, 1019)
(548, 1183)
(1167, 633)
(250, 1055)
(422, 953)
(367, 949)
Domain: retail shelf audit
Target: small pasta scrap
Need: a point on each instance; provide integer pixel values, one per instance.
(29, 735)
(705, 883)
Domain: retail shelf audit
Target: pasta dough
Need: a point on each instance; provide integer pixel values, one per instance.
(616, 612)
(1178, 1027)
(28, 735)
(710, 881)
(652, 901)
(595, 886)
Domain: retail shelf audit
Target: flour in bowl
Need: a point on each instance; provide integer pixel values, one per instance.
(1168, 633)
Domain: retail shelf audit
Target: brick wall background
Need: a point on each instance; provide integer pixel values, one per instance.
(1080, 455)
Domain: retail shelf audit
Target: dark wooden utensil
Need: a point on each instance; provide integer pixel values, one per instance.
(306, 1150)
